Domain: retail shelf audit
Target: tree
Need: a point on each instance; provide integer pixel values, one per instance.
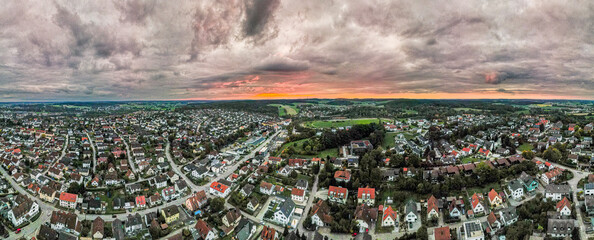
(528, 155)
(316, 168)
(422, 233)
(217, 204)
(552, 154)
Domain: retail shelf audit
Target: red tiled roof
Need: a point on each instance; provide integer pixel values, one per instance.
(140, 200)
(336, 191)
(389, 212)
(492, 195)
(219, 187)
(564, 202)
(442, 233)
(69, 197)
(370, 191)
(298, 192)
(346, 175)
(432, 204)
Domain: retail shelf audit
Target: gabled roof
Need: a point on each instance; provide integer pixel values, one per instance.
(219, 187)
(492, 195)
(563, 203)
(69, 197)
(389, 212)
(432, 204)
(370, 191)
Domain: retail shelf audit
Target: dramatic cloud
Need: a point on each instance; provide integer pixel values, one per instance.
(104, 50)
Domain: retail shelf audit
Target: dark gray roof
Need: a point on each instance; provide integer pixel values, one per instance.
(301, 183)
(134, 220)
(248, 188)
(515, 184)
(287, 207)
(411, 207)
(509, 213)
(560, 226)
(558, 188)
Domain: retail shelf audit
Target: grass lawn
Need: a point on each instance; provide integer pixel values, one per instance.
(286, 145)
(340, 123)
(485, 189)
(408, 136)
(525, 147)
(389, 140)
(470, 160)
(286, 109)
(332, 152)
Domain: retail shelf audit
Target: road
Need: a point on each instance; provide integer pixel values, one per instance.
(577, 176)
(94, 151)
(176, 168)
(131, 163)
(47, 208)
(61, 156)
(312, 194)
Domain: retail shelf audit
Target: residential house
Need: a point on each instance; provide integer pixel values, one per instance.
(529, 182)
(516, 189)
(220, 190)
(473, 230)
(564, 207)
(390, 217)
(432, 209)
(411, 212)
(476, 203)
(494, 198)
(97, 230)
(342, 176)
(298, 195)
(366, 196)
(170, 213)
(232, 217)
(245, 229)
(320, 214)
(337, 194)
(508, 216)
(68, 200)
(196, 201)
(560, 228)
(133, 224)
(266, 188)
(284, 212)
(365, 216)
(556, 192)
(204, 231)
(66, 222)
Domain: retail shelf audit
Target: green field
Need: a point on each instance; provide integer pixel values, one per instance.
(389, 140)
(332, 152)
(470, 160)
(284, 110)
(525, 147)
(340, 123)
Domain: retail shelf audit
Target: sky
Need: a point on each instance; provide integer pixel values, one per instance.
(273, 49)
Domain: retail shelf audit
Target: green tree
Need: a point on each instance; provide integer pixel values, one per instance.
(552, 154)
(217, 204)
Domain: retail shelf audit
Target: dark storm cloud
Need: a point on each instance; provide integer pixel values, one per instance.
(136, 49)
(258, 15)
(213, 25)
(501, 76)
(135, 11)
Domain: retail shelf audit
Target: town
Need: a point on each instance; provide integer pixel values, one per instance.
(303, 169)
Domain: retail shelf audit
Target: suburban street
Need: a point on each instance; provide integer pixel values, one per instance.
(46, 208)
